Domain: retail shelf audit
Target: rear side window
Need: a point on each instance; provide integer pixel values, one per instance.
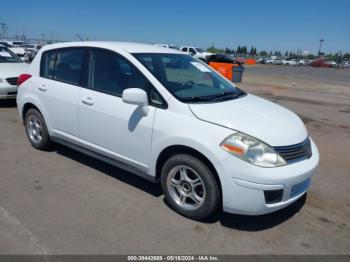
(48, 64)
(63, 65)
(184, 49)
(69, 64)
(111, 73)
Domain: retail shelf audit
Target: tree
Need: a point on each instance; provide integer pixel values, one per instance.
(346, 56)
(228, 51)
(263, 53)
(213, 49)
(251, 52)
(239, 50)
(286, 54)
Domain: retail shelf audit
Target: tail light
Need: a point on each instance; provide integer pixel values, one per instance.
(22, 78)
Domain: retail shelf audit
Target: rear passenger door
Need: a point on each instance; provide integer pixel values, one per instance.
(58, 89)
(108, 125)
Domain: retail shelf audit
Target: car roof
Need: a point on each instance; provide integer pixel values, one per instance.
(129, 47)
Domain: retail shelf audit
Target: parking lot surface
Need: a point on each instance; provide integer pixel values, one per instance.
(63, 202)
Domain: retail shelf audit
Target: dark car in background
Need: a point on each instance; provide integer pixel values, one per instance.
(223, 58)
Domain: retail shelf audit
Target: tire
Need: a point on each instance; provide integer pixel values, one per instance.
(203, 187)
(36, 130)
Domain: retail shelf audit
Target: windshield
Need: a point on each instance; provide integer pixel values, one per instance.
(188, 79)
(7, 56)
(199, 50)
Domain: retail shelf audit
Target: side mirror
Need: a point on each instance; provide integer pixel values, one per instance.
(136, 96)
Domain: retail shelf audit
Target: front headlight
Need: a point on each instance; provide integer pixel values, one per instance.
(252, 150)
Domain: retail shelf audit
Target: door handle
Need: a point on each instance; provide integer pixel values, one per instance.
(87, 101)
(42, 88)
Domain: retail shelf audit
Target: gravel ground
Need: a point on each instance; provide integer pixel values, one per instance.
(63, 202)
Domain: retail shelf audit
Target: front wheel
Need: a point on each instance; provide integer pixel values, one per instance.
(190, 187)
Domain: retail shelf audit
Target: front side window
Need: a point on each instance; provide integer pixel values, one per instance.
(69, 64)
(111, 73)
(7, 56)
(188, 79)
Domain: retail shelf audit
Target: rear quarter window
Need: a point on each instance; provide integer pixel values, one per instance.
(48, 60)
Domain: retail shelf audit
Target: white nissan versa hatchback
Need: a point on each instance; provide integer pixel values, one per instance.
(166, 116)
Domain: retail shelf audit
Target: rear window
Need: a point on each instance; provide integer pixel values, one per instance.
(63, 65)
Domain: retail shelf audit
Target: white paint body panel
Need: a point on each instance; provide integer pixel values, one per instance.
(120, 131)
(257, 117)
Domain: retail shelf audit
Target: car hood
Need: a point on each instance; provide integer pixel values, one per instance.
(257, 117)
(12, 69)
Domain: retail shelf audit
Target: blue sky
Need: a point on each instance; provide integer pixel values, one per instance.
(267, 24)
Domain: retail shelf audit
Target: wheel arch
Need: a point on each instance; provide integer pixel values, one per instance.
(25, 109)
(172, 150)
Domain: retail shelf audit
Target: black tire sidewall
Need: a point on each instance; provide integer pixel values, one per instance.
(212, 199)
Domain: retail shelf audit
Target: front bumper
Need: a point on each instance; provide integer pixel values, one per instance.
(8, 91)
(244, 185)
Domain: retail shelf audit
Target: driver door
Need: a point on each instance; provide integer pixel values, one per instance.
(108, 125)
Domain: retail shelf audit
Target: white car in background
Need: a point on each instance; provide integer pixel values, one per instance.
(167, 117)
(274, 61)
(31, 50)
(290, 62)
(11, 67)
(196, 52)
(16, 47)
(304, 62)
(168, 46)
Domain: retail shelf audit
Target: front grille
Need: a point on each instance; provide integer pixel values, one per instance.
(12, 80)
(300, 188)
(295, 152)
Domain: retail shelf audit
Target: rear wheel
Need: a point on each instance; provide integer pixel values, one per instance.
(189, 186)
(36, 130)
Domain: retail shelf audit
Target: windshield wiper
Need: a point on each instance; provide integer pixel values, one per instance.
(195, 99)
(224, 95)
(212, 97)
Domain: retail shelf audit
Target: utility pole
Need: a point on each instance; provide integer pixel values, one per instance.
(3, 30)
(23, 35)
(319, 49)
(340, 54)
